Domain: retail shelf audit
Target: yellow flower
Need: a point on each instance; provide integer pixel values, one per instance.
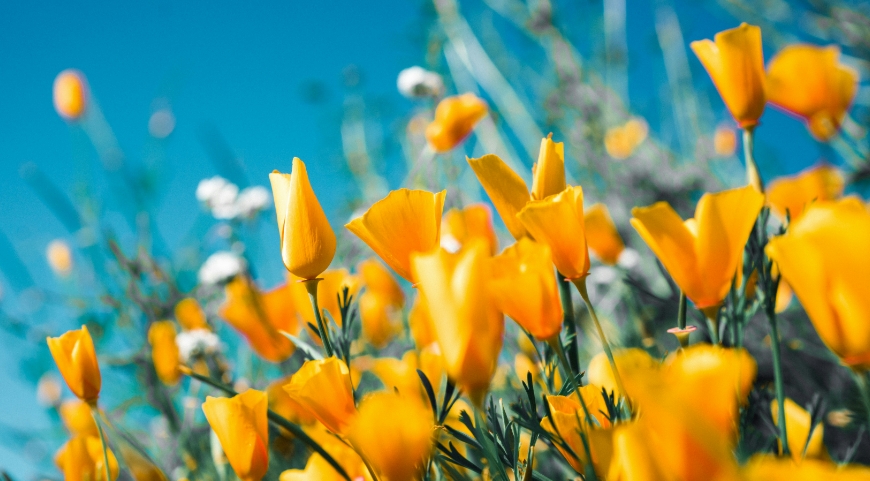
(558, 222)
(331, 286)
(259, 316)
(524, 365)
(141, 468)
(768, 467)
(81, 459)
(242, 428)
(702, 254)
(631, 359)
(189, 314)
(548, 174)
(70, 94)
(622, 140)
(736, 64)
(76, 416)
(567, 420)
(285, 406)
(76, 359)
(401, 374)
(823, 256)
(394, 434)
(460, 226)
(420, 323)
(307, 240)
(380, 306)
(724, 141)
(402, 223)
(601, 235)
(792, 194)
(317, 469)
(810, 82)
(164, 352)
(59, 257)
(523, 287)
(468, 328)
(797, 423)
(323, 388)
(455, 118)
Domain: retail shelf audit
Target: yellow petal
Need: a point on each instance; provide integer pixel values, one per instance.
(549, 178)
(505, 188)
(460, 226)
(76, 359)
(797, 423)
(601, 235)
(455, 118)
(420, 323)
(164, 352)
(792, 194)
(241, 426)
(261, 316)
(671, 241)
(378, 280)
(558, 222)
(189, 314)
(402, 223)
(627, 360)
(70, 94)
(323, 388)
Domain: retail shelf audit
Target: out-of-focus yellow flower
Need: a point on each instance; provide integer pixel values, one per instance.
(622, 140)
(823, 256)
(602, 238)
(402, 223)
(76, 416)
(558, 221)
(401, 374)
(323, 388)
(317, 469)
(307, 240)
(141, 468)
(467, 326)
(702, 254)
(724, 141)
(797, 423)
(189, 314)
(76, 359)
(768, 467)
(568, 421)
(548, 173)
(735, 63)
(331, 285)
(460, 226)
(810, 82)
(242, 428)
(455, 118)
(420, 322)
(792, 194)
(632, 359)
(285, 406)
(81, 459)
(524, 365)
(259, 316)
(380, 305)
(70, 94)
(164, 351)
(395, 434)
(523, 287)
(48, 390)
(59, 257)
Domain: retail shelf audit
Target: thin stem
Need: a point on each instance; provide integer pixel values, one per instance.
(311, 287)
(753, 177)
(777, 379)
(96, 415)
(276, 419)
(362, 456)
(568, 321)
(581, 286)
(681, 313)
(864, 389)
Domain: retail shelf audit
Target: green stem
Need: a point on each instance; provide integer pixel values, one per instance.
(568, 321)
(681, 313)
(96, 415)
(777, 379)
(276, 419)
(311, 287)
(864, 389)
(753, 177)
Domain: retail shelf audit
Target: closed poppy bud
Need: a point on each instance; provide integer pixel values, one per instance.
(70, 94)
(601, 235)
(455, 118)
(78, 418)
(242, 428)
(798, 425)
(402, 223)
(810, 82)
(81, 459)
(567, 420)
(823, 256)
(549, 172)
(460, 226)
(323, 388)
(394, 434)
(261, 316)
(76, 359)
(523, 287)
(467, 326)
(702, 254)
(189, 314)
(735, 62)
(164, 352)
(506, 189)
(627, 360)
(307, 240)
(420, 323)
(791, 195)
(558, 221)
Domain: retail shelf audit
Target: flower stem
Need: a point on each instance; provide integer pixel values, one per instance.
(581, 286)
(681, 313)
(777, 379)
(753, 177)
(96, 415)
(864, 389)
(311, 287)
(568, 321)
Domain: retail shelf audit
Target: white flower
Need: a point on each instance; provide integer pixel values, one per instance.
(195, 342)
(628, 259)
(252, 201)
(219, 196)
(207, 188)
(415, 82)
(602, 275)
(220, 267)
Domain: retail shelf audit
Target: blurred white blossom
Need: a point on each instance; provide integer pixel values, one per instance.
(196, 342)
(628, 258)
(602, 275)
(416, 82)
(223, 199)
(220, 267)
(253, 200)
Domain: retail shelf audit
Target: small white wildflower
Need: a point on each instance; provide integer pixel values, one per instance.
(208, 187)
(252, 201)
(416, 82)
(220, 267)
(602, 275)
(219, 196)
(628, 258)
(196, 341)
